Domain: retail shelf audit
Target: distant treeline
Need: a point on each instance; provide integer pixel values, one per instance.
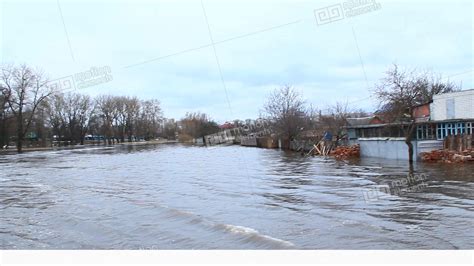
(32, 110)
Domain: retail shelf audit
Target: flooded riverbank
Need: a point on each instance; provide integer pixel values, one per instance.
(186, 197)
(12, 149)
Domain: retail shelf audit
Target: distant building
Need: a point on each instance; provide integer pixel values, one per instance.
(451, 114)
(227, 125)
(364, 127)
(447, 114)
(422, 112)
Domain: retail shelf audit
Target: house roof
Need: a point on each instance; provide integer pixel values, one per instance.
(360, 121)
(227, 125)
(421, 104)
(453, 94)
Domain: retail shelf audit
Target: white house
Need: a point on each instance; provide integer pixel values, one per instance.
(454, 105)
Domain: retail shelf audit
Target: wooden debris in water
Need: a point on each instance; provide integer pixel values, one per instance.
(346, 152)
(448, 156)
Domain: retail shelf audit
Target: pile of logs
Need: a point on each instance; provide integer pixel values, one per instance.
(346, 152)
(447, 156)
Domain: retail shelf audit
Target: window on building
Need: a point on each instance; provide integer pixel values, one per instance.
(445, 129)
(419, 132)
(460, 129)
(431, 131)
(449, 129)
(426, 132)
(441, 130)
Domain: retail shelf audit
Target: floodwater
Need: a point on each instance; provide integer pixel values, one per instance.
(186, 197)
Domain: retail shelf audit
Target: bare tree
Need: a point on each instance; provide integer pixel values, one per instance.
(400, 91)
(120, 115)
(25, 89)
(150, 119)
(335, 120)
(286, 109)
(106, 111)
(127, 113)
(69, 115)
(57, 116)
(195, 125)
(4, 117)
(170, 129)
(128, 116)
(132, 111)
(83, 109)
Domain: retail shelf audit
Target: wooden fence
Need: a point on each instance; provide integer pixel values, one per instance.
(458, 142)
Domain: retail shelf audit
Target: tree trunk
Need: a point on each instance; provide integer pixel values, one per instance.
(4, 135)
(19, 146)
(410, 151)
(411, 170)
(408, 139)
(19, 139)
(19, 133)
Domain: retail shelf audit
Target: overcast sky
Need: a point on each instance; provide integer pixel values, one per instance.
(163, 49)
